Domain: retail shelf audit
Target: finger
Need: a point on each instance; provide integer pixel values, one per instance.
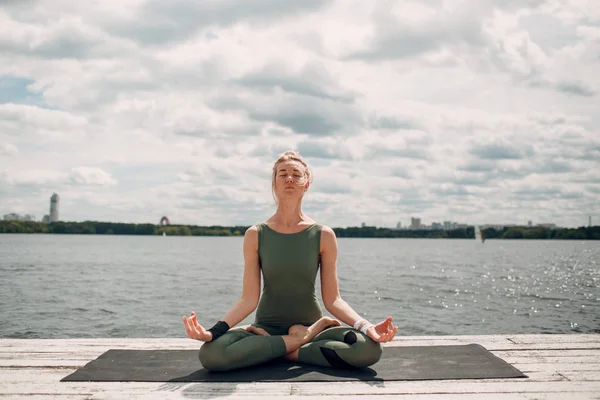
(384, 338)
(187, 328)
(193, 329)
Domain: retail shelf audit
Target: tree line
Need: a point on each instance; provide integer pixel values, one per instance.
(117, 228)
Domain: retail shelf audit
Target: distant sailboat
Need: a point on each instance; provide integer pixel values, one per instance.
(164, 233)
(479, 234)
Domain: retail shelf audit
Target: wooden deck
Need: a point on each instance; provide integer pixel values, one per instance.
(559, 367)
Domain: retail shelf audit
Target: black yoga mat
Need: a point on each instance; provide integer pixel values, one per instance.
(397, 363)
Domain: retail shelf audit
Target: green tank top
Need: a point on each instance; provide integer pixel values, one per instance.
(289, 264)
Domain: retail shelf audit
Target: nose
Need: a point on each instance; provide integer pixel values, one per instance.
(289, 178)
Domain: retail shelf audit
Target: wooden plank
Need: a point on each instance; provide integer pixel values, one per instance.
(178, 396)
(310, 388)
(35, 363)
(262, 388)
(559, 366)
(546, 353)
(441, 387)
(65, 355)
(583, 376)
(554, 338)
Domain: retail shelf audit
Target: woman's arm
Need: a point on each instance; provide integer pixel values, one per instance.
(248, 301)
(384, 331)
(330, 291)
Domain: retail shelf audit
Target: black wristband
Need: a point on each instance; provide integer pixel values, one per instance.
(219, 329)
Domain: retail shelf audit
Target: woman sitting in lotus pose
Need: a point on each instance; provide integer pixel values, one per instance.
(289, 248)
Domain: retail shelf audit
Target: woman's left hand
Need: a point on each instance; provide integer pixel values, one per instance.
(383, 331)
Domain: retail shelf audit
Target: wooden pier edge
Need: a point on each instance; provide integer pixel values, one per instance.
(558, 366)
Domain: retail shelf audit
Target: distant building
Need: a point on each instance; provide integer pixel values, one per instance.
(399, 224)
(415, 223)
(54, 202)
(529, 223)
(363, 225)
(436, 226)
(46, 219)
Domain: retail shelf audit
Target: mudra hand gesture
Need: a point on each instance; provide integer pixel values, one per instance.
(195, 330)
(383, 331)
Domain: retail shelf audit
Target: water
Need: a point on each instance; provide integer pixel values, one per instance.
(54, 286)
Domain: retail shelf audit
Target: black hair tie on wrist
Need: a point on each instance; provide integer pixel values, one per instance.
(219, 329)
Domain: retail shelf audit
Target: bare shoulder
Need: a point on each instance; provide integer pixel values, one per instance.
(251, 236)
(252, 231)
(328, 239)
(327, 232)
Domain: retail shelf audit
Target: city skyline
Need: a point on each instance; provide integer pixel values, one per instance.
(478, 111)
(415, 223)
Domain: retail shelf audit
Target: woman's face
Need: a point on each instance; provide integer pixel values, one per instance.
(290, 180)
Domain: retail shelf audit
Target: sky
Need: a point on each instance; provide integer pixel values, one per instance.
(473, 111)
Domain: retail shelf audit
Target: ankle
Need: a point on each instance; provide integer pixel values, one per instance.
(292, 343)
(292, 356)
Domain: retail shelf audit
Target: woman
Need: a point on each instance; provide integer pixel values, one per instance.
(289, 248)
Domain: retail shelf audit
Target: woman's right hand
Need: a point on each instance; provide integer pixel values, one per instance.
(195, 330)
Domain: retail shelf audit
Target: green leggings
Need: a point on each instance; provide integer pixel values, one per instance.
(340, 347)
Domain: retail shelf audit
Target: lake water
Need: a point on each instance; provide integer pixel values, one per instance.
(54, 286)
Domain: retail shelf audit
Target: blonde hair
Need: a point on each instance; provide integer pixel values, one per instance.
(289, 155)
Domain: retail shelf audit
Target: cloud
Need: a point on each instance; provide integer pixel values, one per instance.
(474, 111)
(575, 88)
(17, 120)
(311, 80)
(33, 177)
(300, 113)
(91, 176)
(8, 149)
(161, 23)
(500, 151)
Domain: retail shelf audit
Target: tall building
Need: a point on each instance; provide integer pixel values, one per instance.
(415, 223)
(54, 201)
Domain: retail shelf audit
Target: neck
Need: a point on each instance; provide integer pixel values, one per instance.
(289, 214)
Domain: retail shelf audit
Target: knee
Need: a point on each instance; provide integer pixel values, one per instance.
(366, 351)
(370, 353)
(212, 356)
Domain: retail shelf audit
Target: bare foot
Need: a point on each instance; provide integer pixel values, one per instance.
(257, 331)
(307, 333)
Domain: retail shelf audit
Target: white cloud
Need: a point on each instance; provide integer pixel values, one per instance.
(8, 149)
(477, 111)
(91, 176)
